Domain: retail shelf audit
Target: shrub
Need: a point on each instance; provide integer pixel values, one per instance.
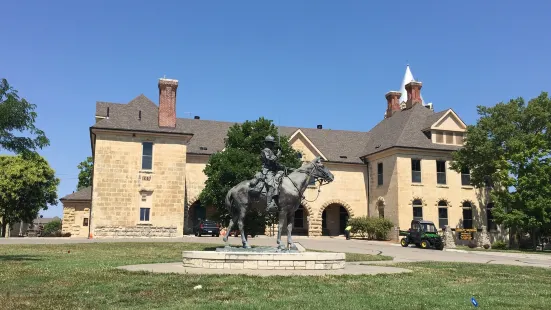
(67, 234)
(472, 245)
(499, 245)
(370, 228)
(52, 229)
(486, 246)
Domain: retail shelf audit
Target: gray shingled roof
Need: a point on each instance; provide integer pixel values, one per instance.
(403, 129)
(83, 194)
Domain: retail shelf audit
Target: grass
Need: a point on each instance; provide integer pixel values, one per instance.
(358, 257)
(51, 277)
(523, 251)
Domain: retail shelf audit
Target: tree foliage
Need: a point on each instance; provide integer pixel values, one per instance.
(85, 175)
(17, 116)
(27, 185)
(508, 151)
(241, 160)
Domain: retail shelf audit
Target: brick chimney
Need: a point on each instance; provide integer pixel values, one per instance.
(167, 102)
(413, 89)
(392, 103)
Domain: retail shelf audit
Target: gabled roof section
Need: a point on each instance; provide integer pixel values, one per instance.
(127, 117)
(404, 129)
(300, 133)
(449, 114)
(334, 145)
(84, 194)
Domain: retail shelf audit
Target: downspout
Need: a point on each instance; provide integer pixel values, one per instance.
(366, 162)
(92, 144)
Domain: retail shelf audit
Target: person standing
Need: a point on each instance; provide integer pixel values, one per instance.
(347, 231)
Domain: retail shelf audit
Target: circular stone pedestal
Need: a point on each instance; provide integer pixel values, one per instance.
(267, 260)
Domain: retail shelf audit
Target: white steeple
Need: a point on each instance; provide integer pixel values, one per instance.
(408, 77)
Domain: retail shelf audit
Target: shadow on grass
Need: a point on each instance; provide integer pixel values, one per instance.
(6, 258)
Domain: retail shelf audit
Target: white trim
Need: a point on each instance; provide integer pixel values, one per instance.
(450, 111)
(307, 140)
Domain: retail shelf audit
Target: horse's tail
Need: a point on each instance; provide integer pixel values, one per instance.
(229, 200)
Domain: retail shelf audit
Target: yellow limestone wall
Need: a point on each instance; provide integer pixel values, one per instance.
(119, 184)
(74, 213)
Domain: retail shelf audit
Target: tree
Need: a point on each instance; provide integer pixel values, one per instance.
(27, 185)
(18, 115)
(508, 152)
(241, 160)
(85, 175)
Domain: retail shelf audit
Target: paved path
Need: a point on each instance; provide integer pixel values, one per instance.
(338, 244)
(350, 269)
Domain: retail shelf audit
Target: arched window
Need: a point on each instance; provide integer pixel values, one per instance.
(417, 209)
(442, 214)
(467, 215)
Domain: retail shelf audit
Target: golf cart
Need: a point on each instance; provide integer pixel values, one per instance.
(423, 234)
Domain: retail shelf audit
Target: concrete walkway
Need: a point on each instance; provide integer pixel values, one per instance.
(349, 269)
(338, 244)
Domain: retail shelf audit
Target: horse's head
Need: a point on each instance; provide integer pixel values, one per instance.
(319, 171)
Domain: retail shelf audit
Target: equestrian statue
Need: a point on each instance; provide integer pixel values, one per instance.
(274, 189)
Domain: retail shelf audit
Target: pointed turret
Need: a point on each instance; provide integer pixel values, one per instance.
(408, 77)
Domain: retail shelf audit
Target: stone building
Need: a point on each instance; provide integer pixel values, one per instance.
(148, 169)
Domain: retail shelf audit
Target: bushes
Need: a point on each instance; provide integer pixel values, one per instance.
(499, 245)
(370, 227)
(52, 229)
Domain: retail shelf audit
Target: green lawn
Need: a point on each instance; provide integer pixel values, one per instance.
(466, 248)
(49, 277)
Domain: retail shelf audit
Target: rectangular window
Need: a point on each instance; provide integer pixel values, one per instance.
(144, 214)
(442, 217)
(491, 226)
(468, 218)
(147, 155)
(441, 172)
(449, 138)
(465, 177)
(439, 138)
(459, 138)
(416, 170)
(380, 174)
(417, 213)
(85, 222)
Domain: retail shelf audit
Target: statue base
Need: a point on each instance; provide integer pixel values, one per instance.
(267, 258)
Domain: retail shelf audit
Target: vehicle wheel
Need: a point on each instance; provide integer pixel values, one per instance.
(424, 244)
(195, 233)
(441, 247)
(404, 243)
(217, 235)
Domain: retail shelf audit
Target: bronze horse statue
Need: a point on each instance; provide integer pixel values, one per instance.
(239, 199)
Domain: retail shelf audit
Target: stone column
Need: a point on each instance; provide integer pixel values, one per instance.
(395, 234)
(483, 237)
(449, 241)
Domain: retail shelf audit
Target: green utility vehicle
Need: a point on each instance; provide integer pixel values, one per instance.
(423, 234)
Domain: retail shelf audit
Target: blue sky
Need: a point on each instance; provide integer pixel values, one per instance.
(300, 63)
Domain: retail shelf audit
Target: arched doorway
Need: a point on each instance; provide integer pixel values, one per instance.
(300, 226)
(333, 220)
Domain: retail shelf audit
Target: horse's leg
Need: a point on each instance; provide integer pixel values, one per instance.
(281, 224)
(232, 222)
(240, 220)
(290, 222)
